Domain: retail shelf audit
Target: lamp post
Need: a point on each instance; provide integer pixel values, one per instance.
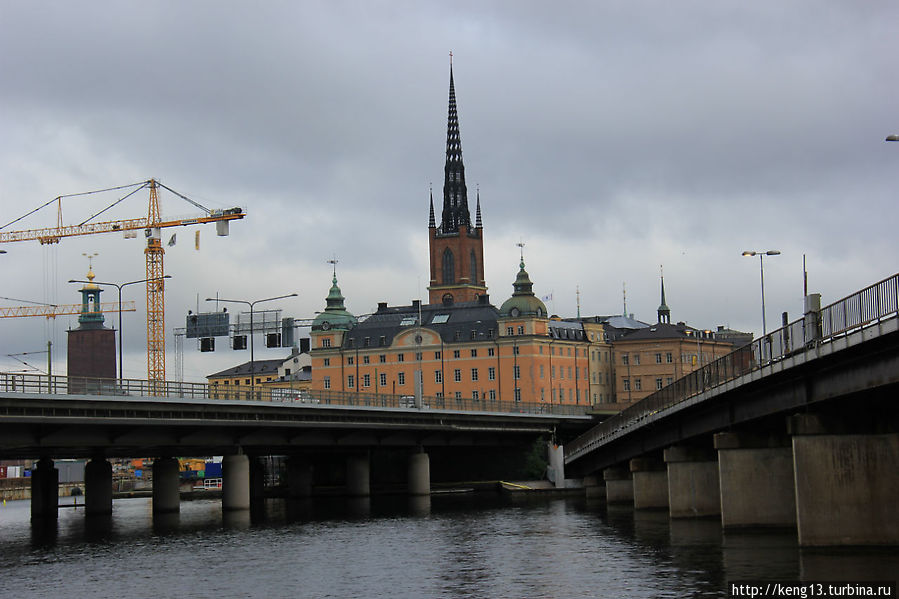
(119, 287)
(252, 354)
(761, 256)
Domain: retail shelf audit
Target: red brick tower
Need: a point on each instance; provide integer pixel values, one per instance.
(91, 352)
(456, 248)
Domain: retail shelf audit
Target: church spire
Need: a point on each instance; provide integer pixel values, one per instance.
(432, 224)
(478, 223)
(455, 194)
(664, 310)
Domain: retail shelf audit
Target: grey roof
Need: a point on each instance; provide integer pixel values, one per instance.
(461, 319)
(259, 367)
(660, 330)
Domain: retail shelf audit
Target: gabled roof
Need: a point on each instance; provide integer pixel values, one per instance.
(267, 367)
(661, 330)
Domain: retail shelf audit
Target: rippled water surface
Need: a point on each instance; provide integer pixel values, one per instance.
(445, 546)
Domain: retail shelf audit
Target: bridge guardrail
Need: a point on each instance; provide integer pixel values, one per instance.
(857, 311)
(62, 385)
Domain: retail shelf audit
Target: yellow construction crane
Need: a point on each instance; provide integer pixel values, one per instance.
(54, 310)
(154, 252)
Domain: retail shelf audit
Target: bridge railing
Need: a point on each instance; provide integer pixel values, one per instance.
(861, 309)
(62, 385)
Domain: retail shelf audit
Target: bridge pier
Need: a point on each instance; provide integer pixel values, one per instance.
(44, 490)
(419, 477)
(593, 489)
(257, 479)
(650, 483)
(358, 469)
(757, 486)
(299, 477)
(846, 487)
(556, 459)
(236, 482)
(693, 489)
(98, 487)
(619, 486)
(166, 495)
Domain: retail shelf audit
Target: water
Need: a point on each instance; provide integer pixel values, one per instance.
(445, 546)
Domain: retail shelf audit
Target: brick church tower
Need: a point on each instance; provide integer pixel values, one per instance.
(456, 248)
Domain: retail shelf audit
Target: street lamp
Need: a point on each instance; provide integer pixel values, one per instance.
(119, 287)
(252, 355)
(761, 256)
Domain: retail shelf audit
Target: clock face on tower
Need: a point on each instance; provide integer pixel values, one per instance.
(326, 325)
(515, 312)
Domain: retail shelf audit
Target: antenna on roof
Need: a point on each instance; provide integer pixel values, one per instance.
(624, 296)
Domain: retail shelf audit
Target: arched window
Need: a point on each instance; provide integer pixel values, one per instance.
(473, 269)
(449, 267)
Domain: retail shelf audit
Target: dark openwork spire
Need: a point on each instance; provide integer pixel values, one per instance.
(432, 224)
(455, 195)
(477, 222)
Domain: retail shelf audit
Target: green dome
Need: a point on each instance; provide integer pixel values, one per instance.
(523, 301)
(335, 315)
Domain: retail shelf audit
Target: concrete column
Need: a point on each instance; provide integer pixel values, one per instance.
(693, 489)
(235, 482)
(757, 487)
(44, 490)
(166, 496)
(556, 472)
(619, 486)
(650, 483)
(357, 476)
(419, 478)
(98, 487)
(299, 477)
(846, 489)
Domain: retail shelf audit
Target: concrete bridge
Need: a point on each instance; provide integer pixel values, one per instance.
(799, 429)
(54, 417)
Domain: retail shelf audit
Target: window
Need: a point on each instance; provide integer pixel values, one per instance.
(449, 267)
(438, 376)
(382, 341)
(418, 356)
(474, 353)
(474, 395)
(440, 318)
(491, 373)
(490, 351)
(637, 359)
(401, 357)
(382, 379)
(658, 384)
(457, 335)
(327, 361)
(401, 378)
(437, 355)
(458, 395)
(366, 380)
(473, 335)
(541, 350)
(439, 395)
(349, 360)
(492, 394)
(474, 374)
(518, 395)
(517, 371)
(625, 359)
(490, 333)
(247, 382)
(365, 359)
(520, 329)
(327, 382)
(669, 380)
(638, 384)
(553, 371)
(626, 384)
(541, 371)
(366, 342)
(669, 358)
(510, 331)
(457, 353)
(569, 372)
(407, 321)
(457, 375)
(351, 381)
(382, 358)
(473, 268)
(326, 342)
(658, 358)
(515, 350)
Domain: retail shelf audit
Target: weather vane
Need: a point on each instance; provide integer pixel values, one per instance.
(333, 262)
(90, 259)
(520, 244)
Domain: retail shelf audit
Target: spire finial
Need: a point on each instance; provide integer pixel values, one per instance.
(520, 245)
(624, 296)
(451, 59)
(664, 310)
(333, 262)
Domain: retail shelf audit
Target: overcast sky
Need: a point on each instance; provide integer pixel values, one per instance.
(610, 137)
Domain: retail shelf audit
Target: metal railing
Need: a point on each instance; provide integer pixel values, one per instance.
(112, 388)
(854, 312)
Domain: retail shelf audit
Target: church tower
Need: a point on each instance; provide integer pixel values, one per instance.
(456, 247)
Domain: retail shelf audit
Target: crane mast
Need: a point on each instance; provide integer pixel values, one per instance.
(155, 293)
